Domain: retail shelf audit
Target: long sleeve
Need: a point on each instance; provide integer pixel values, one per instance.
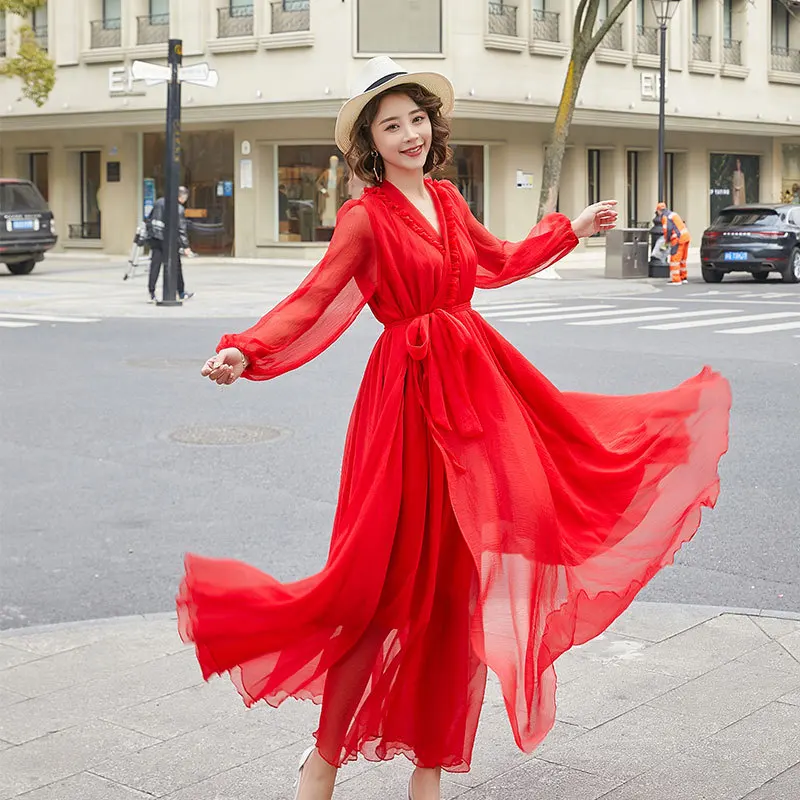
(318, 312)
(501, 262)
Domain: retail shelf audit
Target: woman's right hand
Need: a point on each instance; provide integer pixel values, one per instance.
(225, 367)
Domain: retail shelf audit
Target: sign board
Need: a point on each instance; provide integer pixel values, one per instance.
(650, 84)
(524, 180)
(113, 172)
(148, 196)
(246, 173)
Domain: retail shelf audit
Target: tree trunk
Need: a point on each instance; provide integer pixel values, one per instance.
(554, 151)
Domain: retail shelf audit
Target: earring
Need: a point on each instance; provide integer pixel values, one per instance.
(375, 158)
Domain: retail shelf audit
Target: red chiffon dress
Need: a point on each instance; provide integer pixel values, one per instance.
(485, 519)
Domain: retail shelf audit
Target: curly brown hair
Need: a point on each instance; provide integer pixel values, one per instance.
(359, 155)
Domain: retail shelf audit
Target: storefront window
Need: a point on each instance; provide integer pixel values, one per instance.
(207, 171)
(466, 172)
(312, 186)
(790, 174)
(734, 181)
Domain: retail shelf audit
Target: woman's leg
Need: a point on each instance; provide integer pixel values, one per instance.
(317, 779)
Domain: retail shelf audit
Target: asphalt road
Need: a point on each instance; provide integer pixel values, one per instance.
(101, 494)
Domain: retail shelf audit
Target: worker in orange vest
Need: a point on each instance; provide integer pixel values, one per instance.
(676, 235)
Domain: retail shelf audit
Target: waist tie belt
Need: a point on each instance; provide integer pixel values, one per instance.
(443, 394)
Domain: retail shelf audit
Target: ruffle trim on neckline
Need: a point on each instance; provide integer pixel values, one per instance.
(400, 207)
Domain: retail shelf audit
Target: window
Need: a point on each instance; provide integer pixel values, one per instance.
(112, 14)
(89, 187)
(466, 172)
(241, 8)
(2, 34)
(594, 176)
(207, 164)
(158, 11)
(39, 19)
(602, 12)
(39, 172)
(633, 188)
(780, 26)
(402, 26)
(312, 186)
(727, 20)
(18, 197)
(640, 14)
(695, 17)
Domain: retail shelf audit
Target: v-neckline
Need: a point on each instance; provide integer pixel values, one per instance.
(438, 236)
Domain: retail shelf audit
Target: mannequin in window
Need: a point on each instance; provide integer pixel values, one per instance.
(328, 193)
(739, 197)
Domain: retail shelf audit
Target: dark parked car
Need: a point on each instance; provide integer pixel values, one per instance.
(755, 238)
(27, 229)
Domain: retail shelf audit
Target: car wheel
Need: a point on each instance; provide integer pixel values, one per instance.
(22, 267)
(792, 272)
(760, 277)
(712, 275)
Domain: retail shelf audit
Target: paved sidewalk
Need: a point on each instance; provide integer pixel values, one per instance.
(673, 703)
(93, 286)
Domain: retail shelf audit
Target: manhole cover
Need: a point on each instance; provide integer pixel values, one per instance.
(165, 363)
(225, 434)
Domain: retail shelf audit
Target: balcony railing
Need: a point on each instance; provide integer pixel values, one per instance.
(701, 47)
(785, 60)
(502, 19)
(545, 26)
(234, 21)
(613, 39)
(732, 52)
(152, 29)
(289, 16)
(84, 230)
(106, 33)
(647, 40)
(40, 35)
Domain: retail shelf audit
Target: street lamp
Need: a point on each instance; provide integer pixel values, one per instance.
(663, 10)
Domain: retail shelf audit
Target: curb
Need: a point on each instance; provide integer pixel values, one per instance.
(11, 633)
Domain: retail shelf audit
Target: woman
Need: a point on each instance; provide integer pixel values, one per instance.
(485, 519)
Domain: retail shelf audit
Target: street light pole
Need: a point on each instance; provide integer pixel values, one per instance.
(662, 101)
(172, 166)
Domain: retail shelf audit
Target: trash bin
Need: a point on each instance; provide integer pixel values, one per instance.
(656, 267)
(627, 253)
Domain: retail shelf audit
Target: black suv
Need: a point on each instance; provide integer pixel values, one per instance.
(27, 230)
(757, 238)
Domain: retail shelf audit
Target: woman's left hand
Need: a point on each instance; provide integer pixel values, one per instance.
(596, 218)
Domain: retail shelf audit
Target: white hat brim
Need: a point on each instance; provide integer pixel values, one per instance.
(348, 114)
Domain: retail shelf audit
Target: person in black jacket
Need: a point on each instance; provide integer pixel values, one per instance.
(156, 235)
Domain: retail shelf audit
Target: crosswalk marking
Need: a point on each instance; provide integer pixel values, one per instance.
(699, 323)
(554, 317)
(651, 317)
(512, 306)
(9, 324)
(37, 318)
(779, 326)
(533, 309)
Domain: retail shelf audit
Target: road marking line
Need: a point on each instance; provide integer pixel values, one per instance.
(650, 317)
(556, 309)
(18, 324)
(557, 317)
(37, 318)
(780, 326)
(510, 306)
(698, 323)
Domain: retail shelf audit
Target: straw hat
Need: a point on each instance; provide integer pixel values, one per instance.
(378, 75)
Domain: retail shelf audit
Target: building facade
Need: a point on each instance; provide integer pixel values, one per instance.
(258, 153)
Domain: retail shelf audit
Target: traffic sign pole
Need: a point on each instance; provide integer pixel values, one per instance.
(172, 168)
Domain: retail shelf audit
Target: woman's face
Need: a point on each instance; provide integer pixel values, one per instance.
(401, 133)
